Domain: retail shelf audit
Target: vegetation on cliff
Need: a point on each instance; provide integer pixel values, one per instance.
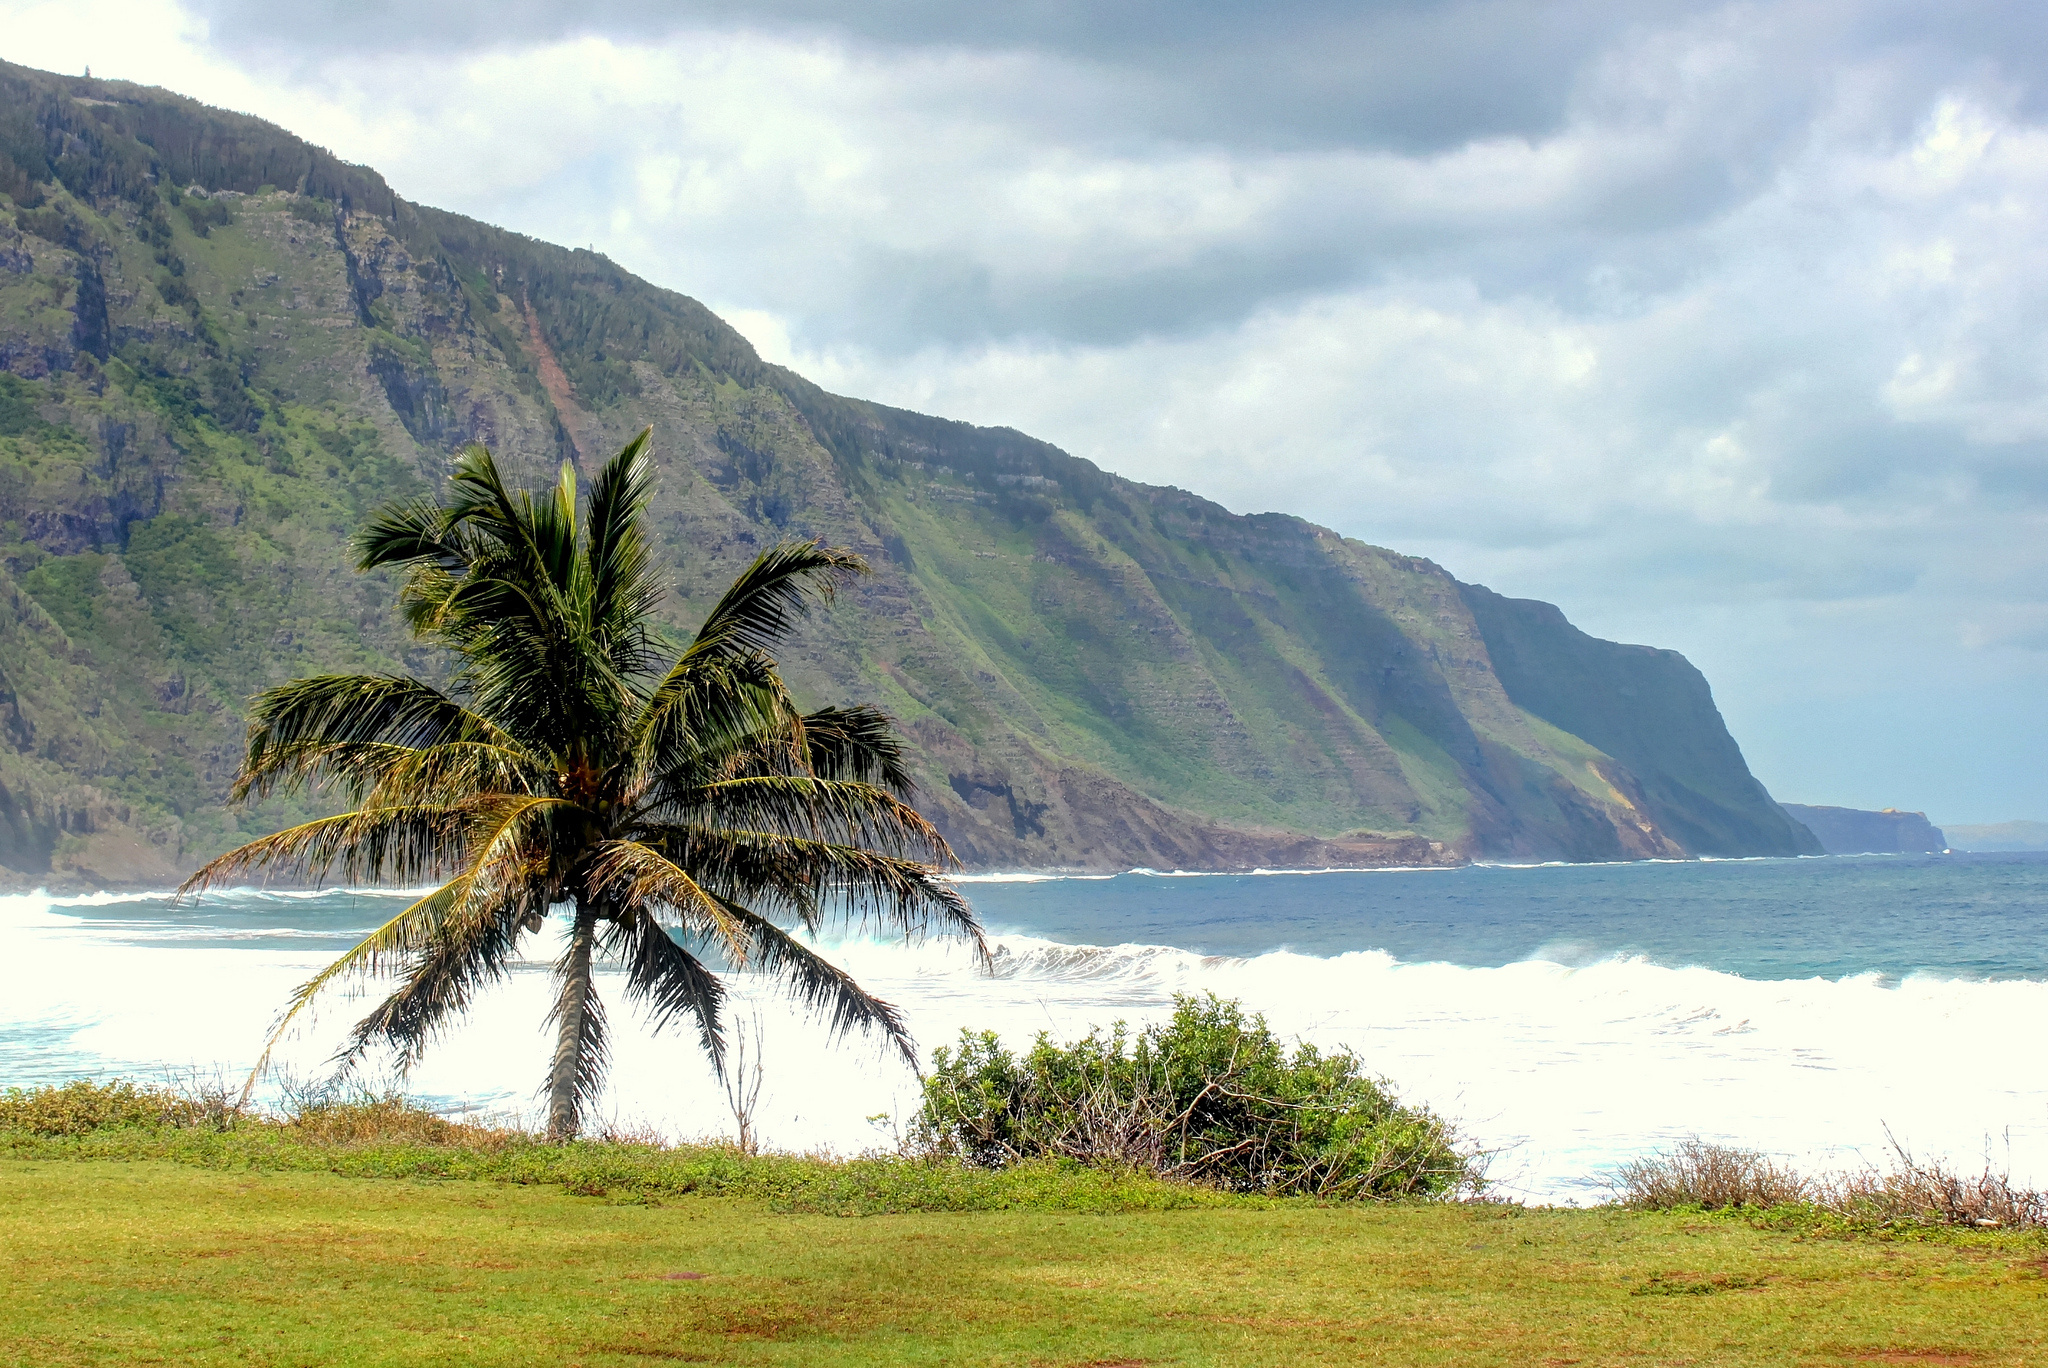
(222, 346)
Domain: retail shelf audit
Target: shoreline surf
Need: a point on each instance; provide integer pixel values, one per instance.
(1566, 1054)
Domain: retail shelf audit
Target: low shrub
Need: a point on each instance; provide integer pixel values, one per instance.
(83, 1106)
(386, 1120)
(1915, 1193)
(1212, 1096)
(1699, 1175)
(1711, 1177)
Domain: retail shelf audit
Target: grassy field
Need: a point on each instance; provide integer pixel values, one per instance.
(153, 1261)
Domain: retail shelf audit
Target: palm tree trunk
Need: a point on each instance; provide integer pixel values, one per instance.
(572, 1019)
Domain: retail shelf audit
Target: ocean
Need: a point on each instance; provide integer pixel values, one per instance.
(1566, 1017)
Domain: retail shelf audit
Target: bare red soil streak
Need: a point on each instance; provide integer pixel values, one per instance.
(555, 381)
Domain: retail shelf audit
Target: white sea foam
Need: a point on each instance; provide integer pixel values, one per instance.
(1564, 1063)
(1027, 876)
(1269, 873)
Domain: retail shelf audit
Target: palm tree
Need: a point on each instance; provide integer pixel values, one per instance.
(676, 799)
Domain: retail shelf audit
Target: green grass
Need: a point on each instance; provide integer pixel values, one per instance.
(643, 1173)
(139, 1225)
(156, 1262)
(389, 1138)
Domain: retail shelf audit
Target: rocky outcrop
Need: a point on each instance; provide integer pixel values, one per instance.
(1853, 831)
(1649, 709)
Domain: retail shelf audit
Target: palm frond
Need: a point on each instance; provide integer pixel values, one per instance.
(538, 536)
(623, 589)
(508, 878)
(857, 743)
(469, 950)
(478, 496)
(377, 774)
(811, 880)
(404, 532)
(404, 935)
(820, 985)
(668, 979)
(400, 845)
(632, 875)
(289, 726)
(837, 810)
(509, 847)
(772, 595)
(495, 577)
(451, 772)
(551, 528)
(705, 714)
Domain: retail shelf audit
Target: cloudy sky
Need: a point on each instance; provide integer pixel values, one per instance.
(1718, 325)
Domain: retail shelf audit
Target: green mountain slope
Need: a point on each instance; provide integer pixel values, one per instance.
(221, 345)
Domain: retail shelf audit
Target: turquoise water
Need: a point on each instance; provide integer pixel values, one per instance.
(1970, 916)
(1975, 916)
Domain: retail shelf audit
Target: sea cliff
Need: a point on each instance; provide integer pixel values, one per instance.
(221, 346)
(1852, 831)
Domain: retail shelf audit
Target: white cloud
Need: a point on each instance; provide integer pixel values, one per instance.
(1735, 348)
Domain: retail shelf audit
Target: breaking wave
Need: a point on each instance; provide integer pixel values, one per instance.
(1563, 1062)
